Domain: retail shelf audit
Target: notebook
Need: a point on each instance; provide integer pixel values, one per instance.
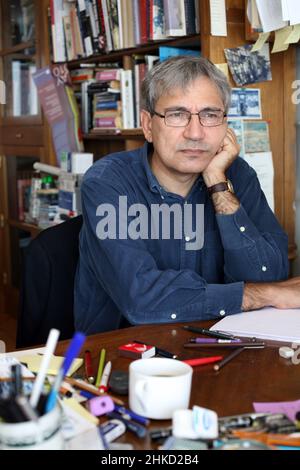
(267, 323)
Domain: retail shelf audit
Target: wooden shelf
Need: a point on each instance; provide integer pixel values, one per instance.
(115, 134)
(192, 41)
(33, 229)
(18, 48)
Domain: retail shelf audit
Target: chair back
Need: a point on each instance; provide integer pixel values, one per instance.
(47, 286)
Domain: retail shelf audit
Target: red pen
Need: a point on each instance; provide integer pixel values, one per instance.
(88, 367)
(201, 361)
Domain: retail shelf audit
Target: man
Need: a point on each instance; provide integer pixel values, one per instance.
(224, 250)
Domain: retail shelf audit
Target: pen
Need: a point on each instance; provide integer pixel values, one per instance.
(88, 367)
(39, 383)
(17, 383)
(105, 376)
(100, 367)
(248, 345)
(160, 352)
(228, 358)
(131, 415)
(213, 334)
(214, 340)
(201, 361)
(72, 351)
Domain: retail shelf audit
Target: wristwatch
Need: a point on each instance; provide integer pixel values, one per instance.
(223, 186)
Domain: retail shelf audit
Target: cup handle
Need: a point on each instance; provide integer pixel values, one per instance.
(140, 391)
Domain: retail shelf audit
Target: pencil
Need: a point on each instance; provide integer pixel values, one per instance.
(228, 358)
(92, 389)
(100, 367)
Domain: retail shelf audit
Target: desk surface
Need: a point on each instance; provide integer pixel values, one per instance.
(255, 375)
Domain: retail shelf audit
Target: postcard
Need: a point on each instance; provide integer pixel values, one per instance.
(245, 103)
(256, 136)
(237, 126)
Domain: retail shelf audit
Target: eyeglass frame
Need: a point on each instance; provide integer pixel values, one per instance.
(191, 114)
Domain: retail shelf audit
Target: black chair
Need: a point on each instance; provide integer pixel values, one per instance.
(48, 272)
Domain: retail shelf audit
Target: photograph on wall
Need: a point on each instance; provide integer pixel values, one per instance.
(245, 103)
(256, 136)
(249, 67)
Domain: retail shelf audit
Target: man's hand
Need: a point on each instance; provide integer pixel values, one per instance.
(227, 153)
(284, 294)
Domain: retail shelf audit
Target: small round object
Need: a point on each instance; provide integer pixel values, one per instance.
(286, 352)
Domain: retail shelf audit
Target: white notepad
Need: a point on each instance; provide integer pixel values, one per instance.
(267, 323)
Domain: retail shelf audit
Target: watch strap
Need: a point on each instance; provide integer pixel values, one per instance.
(216, 188)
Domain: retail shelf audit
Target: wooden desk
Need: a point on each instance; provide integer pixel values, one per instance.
(254, 375)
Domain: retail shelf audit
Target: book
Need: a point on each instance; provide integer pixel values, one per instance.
(137, 350)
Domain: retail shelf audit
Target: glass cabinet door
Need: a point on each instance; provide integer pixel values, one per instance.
(19, 22)
(21, 92)
(19, 58)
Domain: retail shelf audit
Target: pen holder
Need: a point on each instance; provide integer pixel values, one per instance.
(42, 434)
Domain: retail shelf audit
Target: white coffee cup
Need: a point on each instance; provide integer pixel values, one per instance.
(159, 386)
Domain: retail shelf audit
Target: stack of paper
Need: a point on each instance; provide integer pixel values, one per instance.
(268, 323)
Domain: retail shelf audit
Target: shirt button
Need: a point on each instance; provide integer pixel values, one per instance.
(173, 316)
(264, 268)
(242, 229)
(187, 239)
(162, 197)
(222, 313)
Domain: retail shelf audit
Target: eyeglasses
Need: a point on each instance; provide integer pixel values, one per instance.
(182, 118)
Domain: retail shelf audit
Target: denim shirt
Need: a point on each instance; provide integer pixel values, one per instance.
(159, 280)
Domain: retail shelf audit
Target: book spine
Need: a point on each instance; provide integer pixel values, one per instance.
(109, 42)
(107, 122)
(85, 27)
(158, 20)
(127, 99)
(174, 17)
(190, 16)
(143, 21)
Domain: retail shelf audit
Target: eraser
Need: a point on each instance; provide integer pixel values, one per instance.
(286, 352)
(101, 405)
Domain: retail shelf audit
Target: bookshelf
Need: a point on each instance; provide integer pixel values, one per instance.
(27, 135)
(24, 135)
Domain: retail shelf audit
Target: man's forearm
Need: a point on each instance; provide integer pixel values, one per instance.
(283, 294)
(256, 296)
(224, 202)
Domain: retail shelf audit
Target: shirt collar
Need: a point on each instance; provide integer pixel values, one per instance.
(154, 185)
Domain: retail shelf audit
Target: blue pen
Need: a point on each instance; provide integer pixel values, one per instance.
(124, 412)
(72, 351)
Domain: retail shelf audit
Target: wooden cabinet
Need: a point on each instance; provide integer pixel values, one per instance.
(25, 137)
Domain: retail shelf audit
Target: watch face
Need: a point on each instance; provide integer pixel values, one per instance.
(230, 187)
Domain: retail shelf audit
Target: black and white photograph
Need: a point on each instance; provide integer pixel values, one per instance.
(245, 103)
(249, 67)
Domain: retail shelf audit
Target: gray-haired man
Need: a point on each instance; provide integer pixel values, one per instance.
(130, 266)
